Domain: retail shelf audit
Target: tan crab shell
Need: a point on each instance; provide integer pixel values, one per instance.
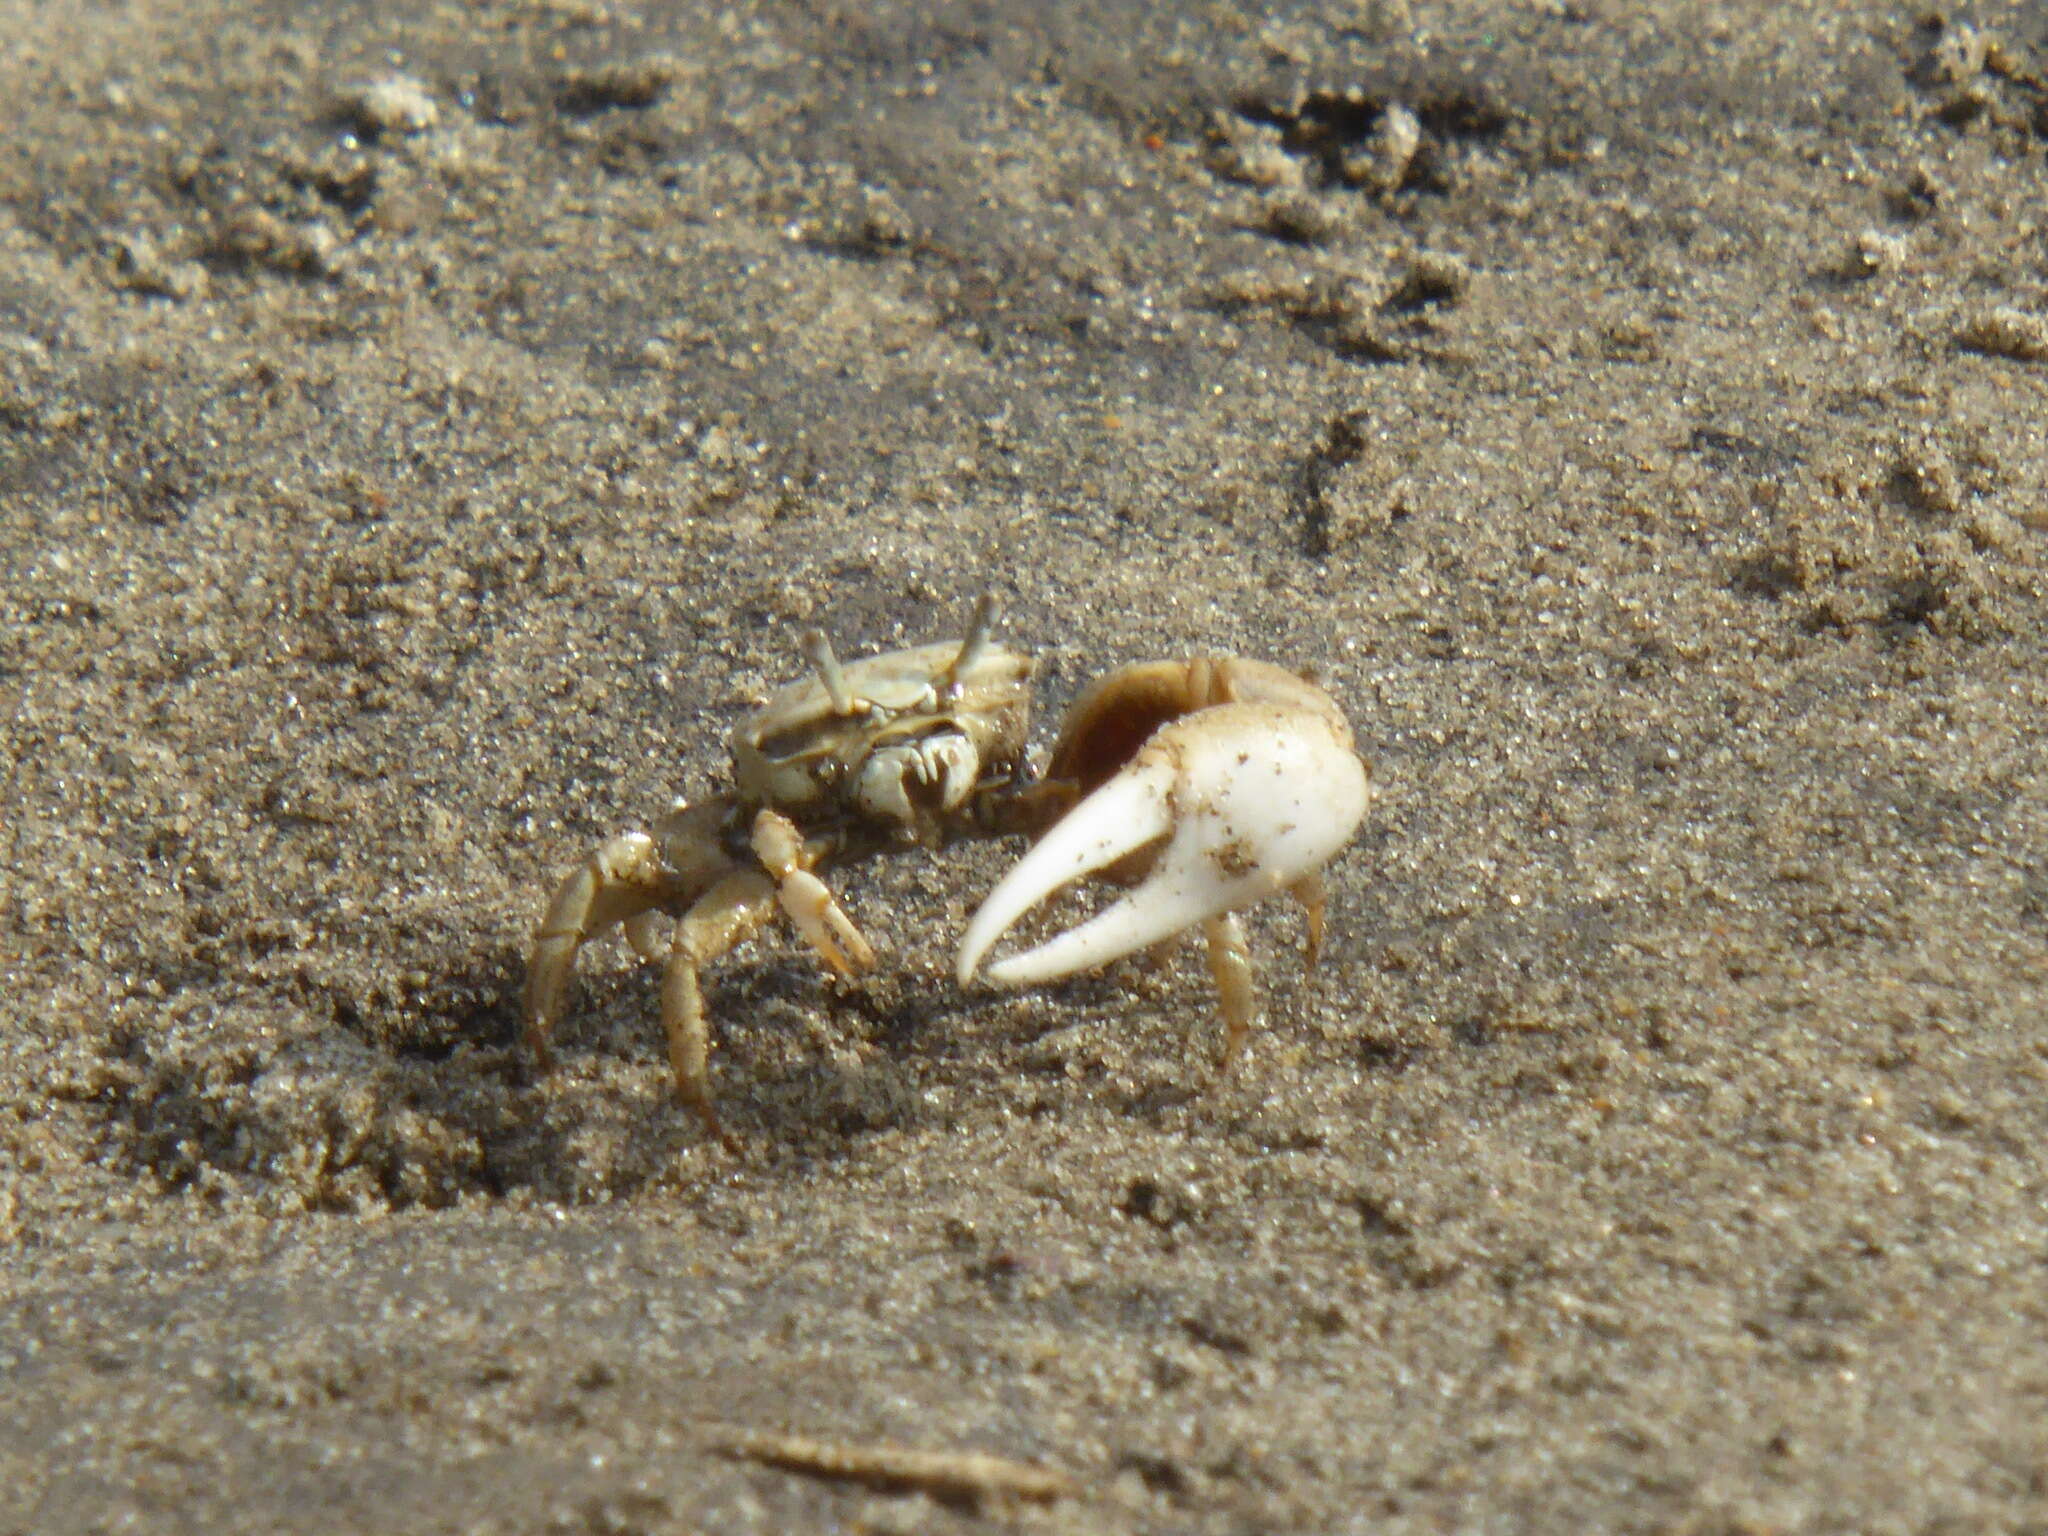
(798, 752)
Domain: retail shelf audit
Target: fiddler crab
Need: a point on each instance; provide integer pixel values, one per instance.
(1204, 786)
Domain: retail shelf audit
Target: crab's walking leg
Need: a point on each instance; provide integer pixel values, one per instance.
(1308, 890)
(1230, 965)
(616, 884)
(731, 912)
(780, 848)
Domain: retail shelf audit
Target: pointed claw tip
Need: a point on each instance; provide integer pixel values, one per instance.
(974, 947)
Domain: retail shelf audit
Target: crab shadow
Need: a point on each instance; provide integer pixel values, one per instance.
(804, 1067)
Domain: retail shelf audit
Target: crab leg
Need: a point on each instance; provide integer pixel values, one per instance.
(1315, 902)
(732, 911)
(1230, 967)
(620, 882)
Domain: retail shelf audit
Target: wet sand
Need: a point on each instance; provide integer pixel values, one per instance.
(424, 429)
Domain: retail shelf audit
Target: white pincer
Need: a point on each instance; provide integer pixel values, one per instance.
(1206, 786)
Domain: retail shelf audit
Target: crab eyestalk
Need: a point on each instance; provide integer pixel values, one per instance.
(981, 623)
(817, 649)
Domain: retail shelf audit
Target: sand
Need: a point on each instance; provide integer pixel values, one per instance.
(425, 428)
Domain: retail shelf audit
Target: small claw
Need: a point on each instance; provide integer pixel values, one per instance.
(806, 900)
(1250, 799)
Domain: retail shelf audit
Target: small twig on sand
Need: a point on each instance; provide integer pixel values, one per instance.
(955, 1477)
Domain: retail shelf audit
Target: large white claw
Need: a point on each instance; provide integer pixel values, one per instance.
(1254, 796)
